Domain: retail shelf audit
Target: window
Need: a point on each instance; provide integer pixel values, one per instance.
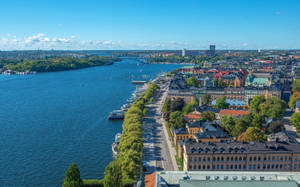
(195, 159)
(199, 159)
(254, 166)
(227, 166)
(222, 158)
(227, 159)
(265, 158)
(222, 167)
(250, 166)
(231, 166)
(213, 159)
(213, 166)
(250, 158)
(272, 166)
(203, 166)
(204, 159)
(240, 166)
(208, 159)
(258, 158)
(258, 166)
(190, 166)
(208, 166)
(194, 167)
(218, 167)
(199, 167)
(235, 166)
(268, 166)
(254, 158)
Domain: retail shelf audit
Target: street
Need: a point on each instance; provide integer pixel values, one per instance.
(158, 154)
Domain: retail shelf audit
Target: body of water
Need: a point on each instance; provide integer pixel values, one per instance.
(49, 120)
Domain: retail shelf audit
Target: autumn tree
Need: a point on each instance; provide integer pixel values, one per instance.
(251, 134)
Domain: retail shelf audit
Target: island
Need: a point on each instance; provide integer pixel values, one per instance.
(52, 64)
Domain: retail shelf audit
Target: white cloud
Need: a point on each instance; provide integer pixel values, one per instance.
(42, 41)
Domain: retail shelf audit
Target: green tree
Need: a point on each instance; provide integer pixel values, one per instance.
(296, 85)
(176, 120)
(255, 102)
(251, 134)
(72, 178)
(239, 127)
(295, 120)
(273, 108)
(208, 116)
(113, 175)
(247, 119)
(187, 109)
(294, 99)
(167, 105)
(221, 103)
(192, 81)
(207, 99)
(257, 120)
(227, 123)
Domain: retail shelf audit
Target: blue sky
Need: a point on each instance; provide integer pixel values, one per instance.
(149, 24)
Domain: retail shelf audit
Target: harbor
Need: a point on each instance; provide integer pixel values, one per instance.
(120, 113)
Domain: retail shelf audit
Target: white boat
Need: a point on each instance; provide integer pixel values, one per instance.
(114, 146)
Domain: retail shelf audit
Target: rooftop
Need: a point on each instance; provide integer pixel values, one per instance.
(236, 113)
(173, 178)
(192, 147)
(224, 183)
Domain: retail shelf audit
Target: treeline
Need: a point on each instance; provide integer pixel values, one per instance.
(192, 59)
(56, 63)
(125, 170)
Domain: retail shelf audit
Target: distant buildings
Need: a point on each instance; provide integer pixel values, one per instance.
(211, 51)
(183, 52)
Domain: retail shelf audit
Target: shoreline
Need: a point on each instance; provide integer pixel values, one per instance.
(35, 72)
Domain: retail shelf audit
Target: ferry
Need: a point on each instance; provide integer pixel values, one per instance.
(116, 114)
(114, 146)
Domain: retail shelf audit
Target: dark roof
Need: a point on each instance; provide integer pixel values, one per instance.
(180, 131)
(192, 147)
(212, 134)
(208, 109)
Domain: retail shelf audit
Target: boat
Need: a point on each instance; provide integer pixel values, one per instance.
(116, 114)
(138, 82)
(115, 144)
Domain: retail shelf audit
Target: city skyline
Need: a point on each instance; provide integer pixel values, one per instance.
(78, 25)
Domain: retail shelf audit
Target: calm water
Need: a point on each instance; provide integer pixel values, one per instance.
(49, 120)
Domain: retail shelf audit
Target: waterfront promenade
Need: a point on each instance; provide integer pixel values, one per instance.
(158, 153)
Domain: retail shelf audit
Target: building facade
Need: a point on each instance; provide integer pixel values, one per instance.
(239, 156)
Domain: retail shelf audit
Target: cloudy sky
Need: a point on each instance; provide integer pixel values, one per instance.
(155, 24)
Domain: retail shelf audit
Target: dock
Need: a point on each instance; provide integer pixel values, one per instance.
(138, 82)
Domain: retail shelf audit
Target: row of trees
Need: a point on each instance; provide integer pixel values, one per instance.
(126, 168)
(295, 97)
(56, 63)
